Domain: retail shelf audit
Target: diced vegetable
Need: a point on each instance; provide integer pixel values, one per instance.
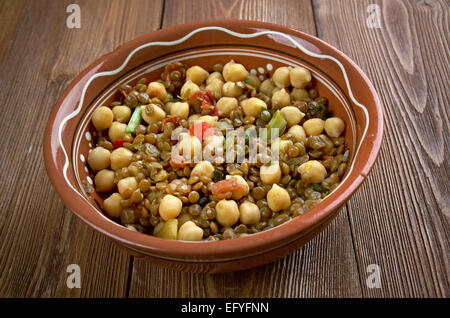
(319, 188)
(173, 99)
(169, 230)
(320, 111)
(174, 74)
(226, 189)
(277, 121)
(135, 120)
(175, 120)
(119, 143)
(218, 176)
(201, 130)
(202, 97)
(177, 161)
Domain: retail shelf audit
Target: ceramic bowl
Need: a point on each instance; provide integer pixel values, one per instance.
(261, 47)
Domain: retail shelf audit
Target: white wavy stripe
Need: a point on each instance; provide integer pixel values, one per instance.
(134, 75)
(175, 42)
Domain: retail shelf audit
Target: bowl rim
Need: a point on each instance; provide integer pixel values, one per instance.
(226, 249)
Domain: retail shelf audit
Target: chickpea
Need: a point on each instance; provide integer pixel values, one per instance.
(210, 120)
(299, 94)
(281, 77)
(226, 105)
(313, 171)
(192, 119)
(280, 99)
(298, 133)
(104, 180)
(238, 195)
(276, 89)
(249, 213)
(300, 77)
(234, 72)
(203, 168)
(230, 89)
(157, 89)
(120, 157)
(215, 87)
(314, 126)
(214, 76)
(121, 113)
(196, 74)
(227, 212)
(180, 109)
(292, 114)
(102, 118)
(99, 158)
(157, 114)
(190, 232)
(188, 89)
(126, 186)
(170, 207)
(253, 106)
(270, 174)
(334, 127)
(278, 198)
(117, 131)
(267, 87)
(112, 205)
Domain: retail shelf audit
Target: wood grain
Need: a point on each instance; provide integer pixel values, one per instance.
(398, 219)
(403, 226)
(39, 237)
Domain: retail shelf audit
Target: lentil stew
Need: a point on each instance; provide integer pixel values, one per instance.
(150, 189)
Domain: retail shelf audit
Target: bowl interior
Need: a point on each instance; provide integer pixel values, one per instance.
(259, 62)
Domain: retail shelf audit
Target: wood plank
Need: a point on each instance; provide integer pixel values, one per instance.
(39, 237)
(295, 14)
(403, 224)
(307, 272)
(9, 23)
(321, 268)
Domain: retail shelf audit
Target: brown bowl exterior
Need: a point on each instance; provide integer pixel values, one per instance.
(261, 47)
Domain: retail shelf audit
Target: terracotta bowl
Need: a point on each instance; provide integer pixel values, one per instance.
(261, 47)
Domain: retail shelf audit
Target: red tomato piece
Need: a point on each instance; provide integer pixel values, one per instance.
(201, 130)
(177, 161)
(203, 97)
(174, 120)
(119, 143)
(226, 189)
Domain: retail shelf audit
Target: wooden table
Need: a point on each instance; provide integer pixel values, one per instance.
(397, 220)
